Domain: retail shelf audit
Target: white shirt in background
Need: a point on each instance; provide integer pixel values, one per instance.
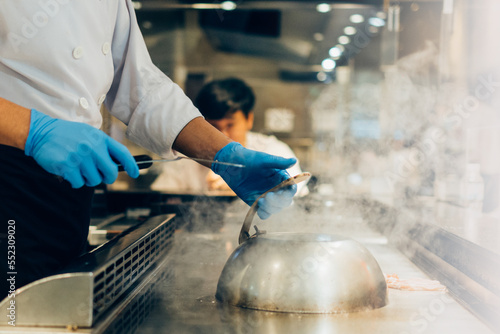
(189, 176)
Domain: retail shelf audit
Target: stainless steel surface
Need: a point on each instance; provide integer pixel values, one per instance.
(187, 301)
(86, 289)
(244, 233)
(442, 247)
(302, 273)
(102, 230)
(264, 272)
(134, 308)
(188, 304)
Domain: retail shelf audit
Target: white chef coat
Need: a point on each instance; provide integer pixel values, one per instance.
(66, 58)
(189, 176)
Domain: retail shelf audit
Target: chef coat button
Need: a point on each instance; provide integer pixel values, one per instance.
(84, 103)
(106, 47)
(101, 99)
(77, 52)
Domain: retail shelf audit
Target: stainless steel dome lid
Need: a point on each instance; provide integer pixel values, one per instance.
(309, 273)
(300, 272)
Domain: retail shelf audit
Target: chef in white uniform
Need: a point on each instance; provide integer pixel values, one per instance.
(60, 60)
(227, 104)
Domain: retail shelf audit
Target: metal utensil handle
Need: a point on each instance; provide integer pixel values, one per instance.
(244, 232)
(232, 164)
(145, 161)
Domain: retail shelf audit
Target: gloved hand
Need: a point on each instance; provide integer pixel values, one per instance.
(262, 172)
(78, 152)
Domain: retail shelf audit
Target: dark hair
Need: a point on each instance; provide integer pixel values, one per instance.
(220, 98)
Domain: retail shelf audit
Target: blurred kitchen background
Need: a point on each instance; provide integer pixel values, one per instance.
(396, 101)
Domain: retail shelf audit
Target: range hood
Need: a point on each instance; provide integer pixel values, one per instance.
(294, 34)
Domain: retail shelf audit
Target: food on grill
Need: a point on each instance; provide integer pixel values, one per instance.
(413, 284)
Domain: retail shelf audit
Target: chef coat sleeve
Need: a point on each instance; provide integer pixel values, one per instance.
(143, 97)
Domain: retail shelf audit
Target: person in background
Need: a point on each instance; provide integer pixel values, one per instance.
(53, 82)
(227, 104)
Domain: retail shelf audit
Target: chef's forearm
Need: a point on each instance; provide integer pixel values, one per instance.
(14, 124)
(201, 140)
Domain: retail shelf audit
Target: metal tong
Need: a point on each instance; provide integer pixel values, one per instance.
(145, 161)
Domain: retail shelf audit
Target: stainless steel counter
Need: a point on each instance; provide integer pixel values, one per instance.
(186, 302)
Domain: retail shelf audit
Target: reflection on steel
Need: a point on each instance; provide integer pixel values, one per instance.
(302, 273)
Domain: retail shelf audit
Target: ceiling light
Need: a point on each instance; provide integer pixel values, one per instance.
(357, 18)
(318, 36)
(344, 40)
(335, 52)
(376, 22)
(382, 15)
(323, 8)
(340, 47)
(321, 76)
(328, 64)
(228, 5)
(350, 30)
(147, 24)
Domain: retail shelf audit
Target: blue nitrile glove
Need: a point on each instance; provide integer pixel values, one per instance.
(261, 172)
(78, 152)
